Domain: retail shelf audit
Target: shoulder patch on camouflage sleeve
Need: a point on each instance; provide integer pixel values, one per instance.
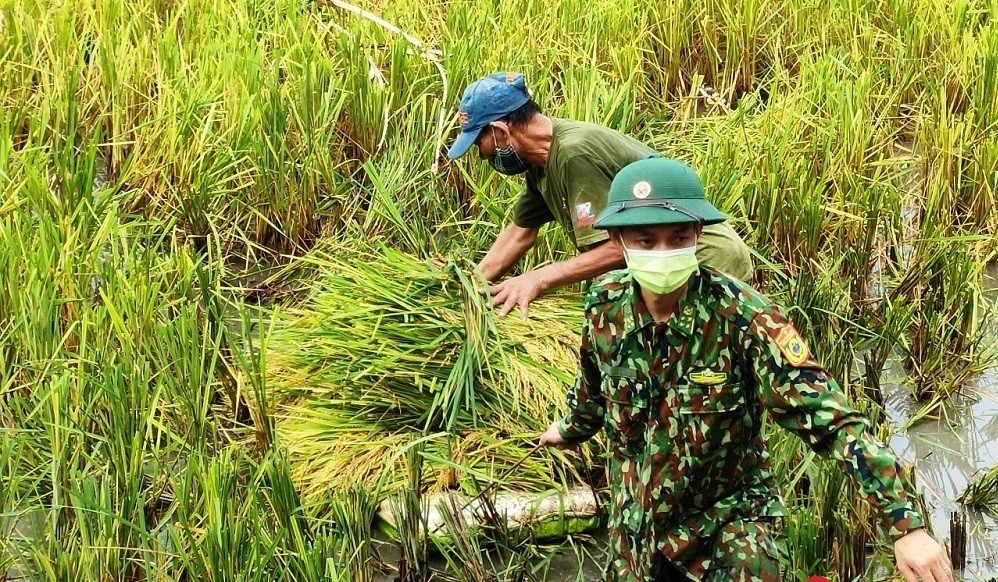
(791, 345)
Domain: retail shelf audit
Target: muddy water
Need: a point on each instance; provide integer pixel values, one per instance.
(578, 560)
(948, 454)
(951, 452)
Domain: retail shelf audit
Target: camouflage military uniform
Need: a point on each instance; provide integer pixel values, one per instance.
(681, 403)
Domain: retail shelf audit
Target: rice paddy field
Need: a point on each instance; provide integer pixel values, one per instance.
(238, 314)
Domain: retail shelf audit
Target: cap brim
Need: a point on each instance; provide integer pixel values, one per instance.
(463, 143)
(612, 217)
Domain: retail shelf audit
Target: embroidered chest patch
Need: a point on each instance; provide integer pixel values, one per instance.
(708, 377)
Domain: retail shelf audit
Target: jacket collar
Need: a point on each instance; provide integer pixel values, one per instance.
(682, 320)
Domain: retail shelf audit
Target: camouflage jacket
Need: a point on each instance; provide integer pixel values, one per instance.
(681, 403)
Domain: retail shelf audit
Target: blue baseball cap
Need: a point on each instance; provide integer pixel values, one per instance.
(484, 101)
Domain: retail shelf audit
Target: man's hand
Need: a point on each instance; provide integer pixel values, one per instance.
(519, 290)
(552, 438)
(921, 559)
(596, 260)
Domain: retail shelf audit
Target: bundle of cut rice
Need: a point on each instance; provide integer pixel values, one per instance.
(390, 350)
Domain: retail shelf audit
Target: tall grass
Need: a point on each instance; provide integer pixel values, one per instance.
(111, 368)
(851, 141)
(115, 410)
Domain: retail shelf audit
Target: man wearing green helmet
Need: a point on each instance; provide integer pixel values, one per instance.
(678, 362)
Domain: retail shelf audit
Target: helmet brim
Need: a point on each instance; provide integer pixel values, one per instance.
(696, 211)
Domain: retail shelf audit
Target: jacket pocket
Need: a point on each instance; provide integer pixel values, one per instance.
(713, 417)
(626, 413)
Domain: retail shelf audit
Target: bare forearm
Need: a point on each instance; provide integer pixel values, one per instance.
(510, 246)
(600, 259)
(522, 289)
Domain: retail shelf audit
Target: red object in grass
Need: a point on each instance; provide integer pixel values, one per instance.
(818, 579)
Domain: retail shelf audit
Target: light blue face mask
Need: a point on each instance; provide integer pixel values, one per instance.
(662, 272)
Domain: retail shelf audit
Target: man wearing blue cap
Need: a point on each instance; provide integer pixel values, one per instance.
(679, 364)
(568, 167)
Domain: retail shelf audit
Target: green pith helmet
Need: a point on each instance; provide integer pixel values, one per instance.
(657, 191)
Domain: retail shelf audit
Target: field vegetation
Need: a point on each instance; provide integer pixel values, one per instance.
(238, 308)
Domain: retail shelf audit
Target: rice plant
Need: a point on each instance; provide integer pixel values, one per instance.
(485, 551)
(410, 513)
(983, 492)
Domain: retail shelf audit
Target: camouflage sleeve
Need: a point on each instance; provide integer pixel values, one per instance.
(585, 400)
(804, 400)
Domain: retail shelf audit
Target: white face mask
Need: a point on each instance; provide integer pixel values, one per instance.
(661, 272)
